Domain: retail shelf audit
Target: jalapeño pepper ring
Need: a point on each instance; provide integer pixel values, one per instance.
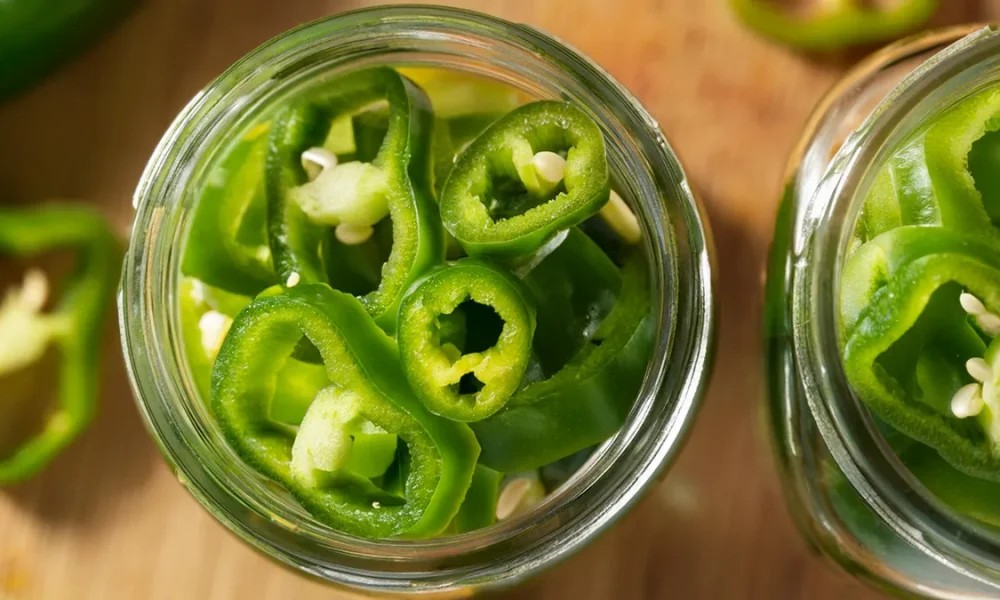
(438, 369)
(497, 201)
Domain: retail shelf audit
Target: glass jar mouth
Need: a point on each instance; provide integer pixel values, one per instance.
(675, 235)
(847, 427)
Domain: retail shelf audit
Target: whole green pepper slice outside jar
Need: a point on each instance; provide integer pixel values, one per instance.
(833, 24)
(72, 326)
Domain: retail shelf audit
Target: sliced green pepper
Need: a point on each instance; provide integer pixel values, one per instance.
(73, 326)
(834, 24)
(396, 183)
(227, 244)
(451, 138)
(919, 290)
(575, 288)
(511, 191)
(368, 396)
(908, 338)
(204, 325)
(309, 388)
(973, 497)
(464, 106)
(480, 506)
(934, 178)
(588, 400)
(473, 380)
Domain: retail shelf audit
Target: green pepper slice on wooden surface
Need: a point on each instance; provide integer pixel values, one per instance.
(73, 326)
(368, 396)
(511, 191)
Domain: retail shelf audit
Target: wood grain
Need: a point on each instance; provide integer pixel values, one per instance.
(108, 520)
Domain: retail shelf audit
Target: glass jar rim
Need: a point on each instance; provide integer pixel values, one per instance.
(671, 391)
(845, 425)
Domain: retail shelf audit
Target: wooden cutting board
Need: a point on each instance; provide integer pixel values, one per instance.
(109, 521)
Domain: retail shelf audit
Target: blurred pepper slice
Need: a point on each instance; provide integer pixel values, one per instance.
(833, 24)
(73, 326)
(36, 37)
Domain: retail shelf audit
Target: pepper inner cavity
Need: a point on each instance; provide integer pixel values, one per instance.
(467, 331)
(983, 159)
(527, 175)
(357, 268)
(929, 361)
(357, 252)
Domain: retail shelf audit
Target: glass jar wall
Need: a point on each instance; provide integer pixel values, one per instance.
(648, 175)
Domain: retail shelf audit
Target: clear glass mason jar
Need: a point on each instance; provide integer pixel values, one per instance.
(676, 241)
(851, 496)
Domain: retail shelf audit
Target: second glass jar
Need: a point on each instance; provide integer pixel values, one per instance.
(845, 482)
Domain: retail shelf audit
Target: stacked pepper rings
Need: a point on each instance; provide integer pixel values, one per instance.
(399, 307)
